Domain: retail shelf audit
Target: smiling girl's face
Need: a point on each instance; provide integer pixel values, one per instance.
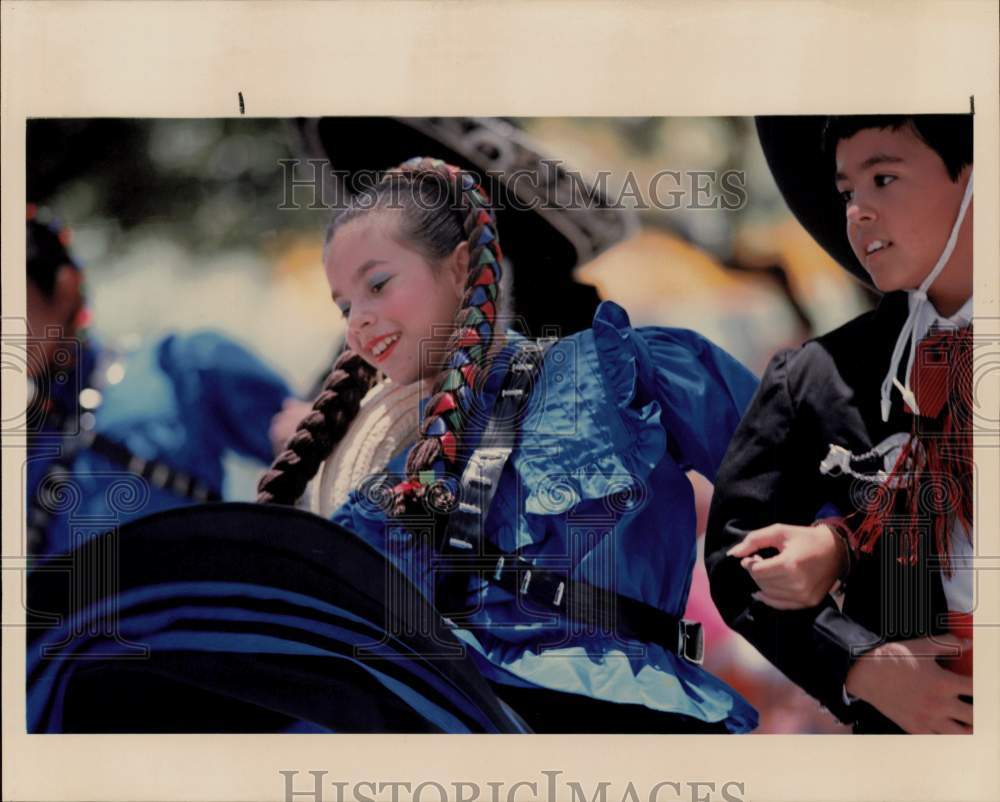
(392, 297)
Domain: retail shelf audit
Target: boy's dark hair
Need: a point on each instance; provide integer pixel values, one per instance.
(46, 253)
(948, 135)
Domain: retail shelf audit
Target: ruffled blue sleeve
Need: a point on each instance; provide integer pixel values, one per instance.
(596, 487)
(702, 391)
(228, 387)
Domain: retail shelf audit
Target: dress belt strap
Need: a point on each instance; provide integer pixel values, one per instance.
(467, 551)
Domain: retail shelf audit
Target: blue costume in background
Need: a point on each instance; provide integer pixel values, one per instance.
(180, 403)
(598, 484)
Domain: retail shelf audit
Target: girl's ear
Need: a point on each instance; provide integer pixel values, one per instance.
(457, 268)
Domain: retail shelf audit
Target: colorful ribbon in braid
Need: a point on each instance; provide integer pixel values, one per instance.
(431, 462)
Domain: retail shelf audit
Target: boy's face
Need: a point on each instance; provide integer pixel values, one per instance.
(900, 204)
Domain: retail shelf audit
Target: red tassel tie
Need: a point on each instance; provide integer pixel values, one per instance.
(932, 479)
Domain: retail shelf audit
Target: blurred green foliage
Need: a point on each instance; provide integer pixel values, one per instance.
(206, 184)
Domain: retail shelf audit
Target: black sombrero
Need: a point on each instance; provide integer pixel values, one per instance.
(543, 231)
(793, 147)
(242, 618)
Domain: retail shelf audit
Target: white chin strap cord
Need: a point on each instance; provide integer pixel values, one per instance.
(920, 307)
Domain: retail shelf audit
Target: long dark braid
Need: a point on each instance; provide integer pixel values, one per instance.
(318, 432)
(435, 229)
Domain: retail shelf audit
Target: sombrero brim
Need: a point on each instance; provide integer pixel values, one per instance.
(544, 248)
(353, 144)
(793, 148)
(242, 618)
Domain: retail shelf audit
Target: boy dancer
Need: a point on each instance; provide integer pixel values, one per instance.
(854, 460)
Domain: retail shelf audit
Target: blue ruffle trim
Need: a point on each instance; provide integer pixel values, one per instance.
(590, 437)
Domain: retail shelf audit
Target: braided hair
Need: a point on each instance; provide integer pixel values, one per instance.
(434, 228)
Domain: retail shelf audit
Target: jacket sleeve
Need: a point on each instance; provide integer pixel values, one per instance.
(770, 475)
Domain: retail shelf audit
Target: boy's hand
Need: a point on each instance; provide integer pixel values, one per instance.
(906, 684)
(810, 559)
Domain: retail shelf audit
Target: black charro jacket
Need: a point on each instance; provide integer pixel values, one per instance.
(825, 392)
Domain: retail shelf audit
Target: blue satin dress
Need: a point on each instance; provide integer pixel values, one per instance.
(598, 486)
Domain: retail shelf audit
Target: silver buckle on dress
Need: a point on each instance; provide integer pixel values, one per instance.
(691, 642)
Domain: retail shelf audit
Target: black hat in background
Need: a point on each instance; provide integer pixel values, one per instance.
(793, 147)
(543, 243)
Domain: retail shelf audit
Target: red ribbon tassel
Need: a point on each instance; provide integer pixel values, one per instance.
(931, 482)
